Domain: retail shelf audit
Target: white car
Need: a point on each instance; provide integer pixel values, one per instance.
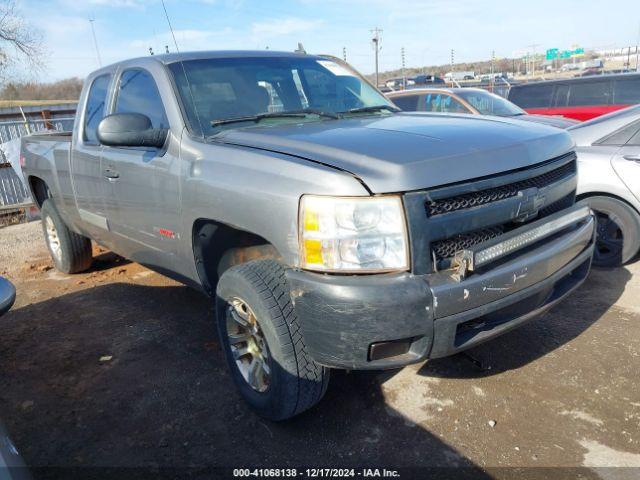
(608, 149)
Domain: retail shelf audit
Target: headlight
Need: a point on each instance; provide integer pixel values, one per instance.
(353, 234)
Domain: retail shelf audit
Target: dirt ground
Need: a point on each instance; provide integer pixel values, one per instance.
(121, 367)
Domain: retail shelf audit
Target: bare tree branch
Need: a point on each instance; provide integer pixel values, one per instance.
(20, 43)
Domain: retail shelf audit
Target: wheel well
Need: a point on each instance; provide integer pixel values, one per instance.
(582, 196)
(218, 247)
(40, 190)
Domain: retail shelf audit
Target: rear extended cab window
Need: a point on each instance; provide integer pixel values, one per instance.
(95, 108)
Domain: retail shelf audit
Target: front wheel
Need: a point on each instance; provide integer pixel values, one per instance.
(618, 231)
(70, 251)
(260, 334)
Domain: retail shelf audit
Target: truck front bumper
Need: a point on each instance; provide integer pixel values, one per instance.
(387, 321)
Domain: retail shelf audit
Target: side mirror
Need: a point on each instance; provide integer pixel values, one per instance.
(7, 295)
(130, 130)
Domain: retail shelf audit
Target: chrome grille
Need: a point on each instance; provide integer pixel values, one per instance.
(483, 197)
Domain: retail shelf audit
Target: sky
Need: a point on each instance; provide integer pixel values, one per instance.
(427, 30)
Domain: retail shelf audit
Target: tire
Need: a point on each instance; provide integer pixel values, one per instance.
(618, 231)
(70, 251)
(294, 382)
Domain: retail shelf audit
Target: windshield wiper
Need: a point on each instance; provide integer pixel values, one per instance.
(373, 108)
(261, 116)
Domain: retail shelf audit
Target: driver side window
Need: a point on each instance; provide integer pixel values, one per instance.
(138, 93)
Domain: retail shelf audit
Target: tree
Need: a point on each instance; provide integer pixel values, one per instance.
(20, 43)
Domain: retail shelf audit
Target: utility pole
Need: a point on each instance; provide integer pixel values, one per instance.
(344, 53)
(533, 58)
(375, 42)
(491, 78)
(95, 41)
(637, 52)
(404, 78)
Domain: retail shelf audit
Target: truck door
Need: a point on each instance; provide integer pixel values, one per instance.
(88, 185)
(142, 208)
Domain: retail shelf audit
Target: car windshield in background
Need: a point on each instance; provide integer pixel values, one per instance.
(490, 104)
(252, 89)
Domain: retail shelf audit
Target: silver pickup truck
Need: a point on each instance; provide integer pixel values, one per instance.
(332, 230)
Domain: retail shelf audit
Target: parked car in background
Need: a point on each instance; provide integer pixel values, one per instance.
(331, 230)
(12, 466)
(427, 80)
(475, 101)
(608, 149)
(399, 83)
(7, 295)
(579, 98)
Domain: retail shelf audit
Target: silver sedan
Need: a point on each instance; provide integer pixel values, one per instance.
(608, 149)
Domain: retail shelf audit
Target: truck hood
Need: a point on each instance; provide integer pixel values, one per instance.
(410, 151)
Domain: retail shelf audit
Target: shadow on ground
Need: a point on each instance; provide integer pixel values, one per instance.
(161, 395)
(165, 399)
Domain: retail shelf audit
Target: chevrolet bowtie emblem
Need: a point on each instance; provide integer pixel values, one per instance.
(530, 203)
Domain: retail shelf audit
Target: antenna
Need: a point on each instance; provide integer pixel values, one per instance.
(95, 41)
(164, 7)
(184, 70)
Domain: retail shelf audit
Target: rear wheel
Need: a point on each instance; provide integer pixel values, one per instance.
(618, 231)
(260, 334)
(70, 251)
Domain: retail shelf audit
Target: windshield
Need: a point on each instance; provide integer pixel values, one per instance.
(229, 88)
(490, 104)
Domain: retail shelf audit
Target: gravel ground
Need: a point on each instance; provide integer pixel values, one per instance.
(120, 367)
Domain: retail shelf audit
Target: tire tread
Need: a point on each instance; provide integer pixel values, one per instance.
(268, 278)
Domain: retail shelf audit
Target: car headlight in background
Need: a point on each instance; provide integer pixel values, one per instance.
(353, 234)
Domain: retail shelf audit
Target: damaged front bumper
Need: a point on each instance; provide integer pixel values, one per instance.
(391, 320)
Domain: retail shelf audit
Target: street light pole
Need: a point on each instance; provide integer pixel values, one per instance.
(637, 52)
(375, 41)
(404, 78)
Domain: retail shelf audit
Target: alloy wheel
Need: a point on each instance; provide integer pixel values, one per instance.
(248, 345)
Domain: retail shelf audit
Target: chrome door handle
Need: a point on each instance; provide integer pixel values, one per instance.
(110, 173)
(632, 158)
